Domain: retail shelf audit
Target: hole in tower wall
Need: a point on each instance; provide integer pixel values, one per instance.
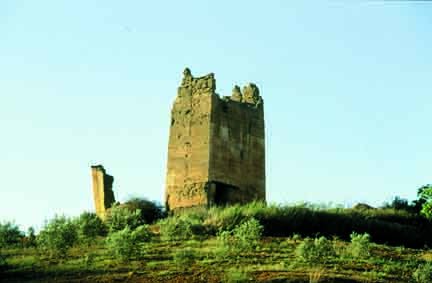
(224, 193)
(224, 107)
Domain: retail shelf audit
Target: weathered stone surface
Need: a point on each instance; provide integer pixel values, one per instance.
(251, 94)
(103, 194)
(216, 151)
(236, 94)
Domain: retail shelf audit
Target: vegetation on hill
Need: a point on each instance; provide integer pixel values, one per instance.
(239, 243)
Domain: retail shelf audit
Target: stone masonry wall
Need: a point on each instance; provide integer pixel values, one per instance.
(237, 157)
(188, 150)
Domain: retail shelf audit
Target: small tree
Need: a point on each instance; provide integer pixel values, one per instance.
(57, 236)
(89, 226)
(425, 200)
(399, 203)
(127, 243)
(10, 234)
(31, 237)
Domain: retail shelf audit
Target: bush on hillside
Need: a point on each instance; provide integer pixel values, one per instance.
(89, 226)
(225, 218)
(360, 245)
(128, 243)
(315, 250)
(150, 211)
(10, 234)
(425, 201)
(120, 217)
(423, 274)
(248, 234)
(181, 228)
(57, 236)
(235, 275)
(243, 238)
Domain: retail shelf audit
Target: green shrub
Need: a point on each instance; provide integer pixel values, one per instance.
(57, 236)
(128, 243)
(235, 275)
(120, 217)
(360, 245)
(184, 256)
(226, 218)
(295, 238)
(424, 203)
(315, 250)
(150, 211)
(89, 226)
(423, 274)
(243, 238)
(31, 237)
(248, 234)
(10, 234)
(142, 233)
(181, 228)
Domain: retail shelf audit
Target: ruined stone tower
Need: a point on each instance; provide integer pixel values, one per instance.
(103, 194)
(216, 152)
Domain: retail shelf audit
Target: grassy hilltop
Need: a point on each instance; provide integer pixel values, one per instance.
(250, 243)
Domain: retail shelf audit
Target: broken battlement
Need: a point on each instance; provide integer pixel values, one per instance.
(195, 86)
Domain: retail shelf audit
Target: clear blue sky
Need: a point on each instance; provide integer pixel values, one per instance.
(346, 85)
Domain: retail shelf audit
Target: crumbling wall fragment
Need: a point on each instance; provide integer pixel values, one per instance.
(103, 195)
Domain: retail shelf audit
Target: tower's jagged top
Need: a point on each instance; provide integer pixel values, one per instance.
(250, 94)
(98, 167)
(191, 85)
(205, 83)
